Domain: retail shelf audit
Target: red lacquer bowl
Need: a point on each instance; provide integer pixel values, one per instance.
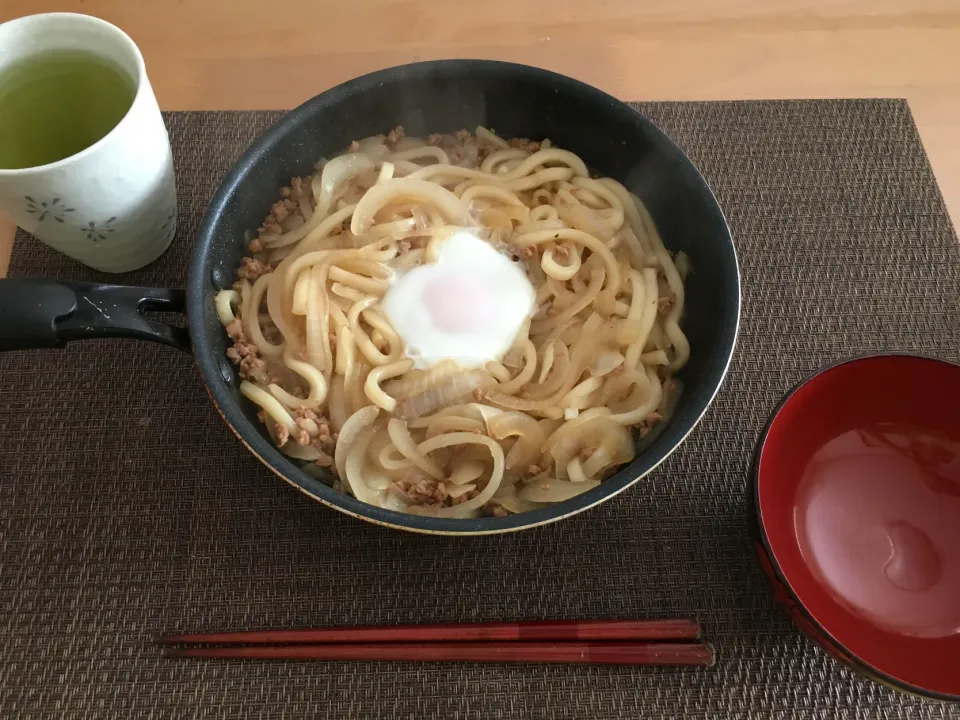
(855, 498)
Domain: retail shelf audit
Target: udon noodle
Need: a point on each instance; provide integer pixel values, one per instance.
(590, 372)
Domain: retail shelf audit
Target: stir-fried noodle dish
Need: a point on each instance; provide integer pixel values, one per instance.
(458, 325)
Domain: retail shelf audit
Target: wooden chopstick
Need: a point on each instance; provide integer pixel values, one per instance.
(603, 653)
(541, 630)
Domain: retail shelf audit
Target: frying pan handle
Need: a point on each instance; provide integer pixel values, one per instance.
(48, 313)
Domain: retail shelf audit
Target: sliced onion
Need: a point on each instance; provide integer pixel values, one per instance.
(404, 442)
(547, 363)
(513, 504)
(550, 426)
(476, 412)
(496, 475)
(374, 148)
(452, 423)
(320, 473)
(378, 443)
(611, 452)
(335, 173)
(545, 394)
(582, 389)
(566, 435)
(448, 391)
(458, 490)
(394, 498)
(506, 497)
(642, 401)
(566, 374)
(360, 420)
(606, 363)
(608, 442)
(354, 465)
(548, 345)
(300, 452)
(526, 374)
(337, 403)
(498, 371)
(522, 404)
(466, 472)
(484, 413)
(490, 138)
(527, 430)
(554, 491)
(575, 471)
(376, 480)
(514, 357)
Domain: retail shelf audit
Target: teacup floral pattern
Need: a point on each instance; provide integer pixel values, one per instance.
(44, 209)
(97, 232)
(57, 210)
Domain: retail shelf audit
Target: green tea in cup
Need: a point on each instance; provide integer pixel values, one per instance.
(55, 104)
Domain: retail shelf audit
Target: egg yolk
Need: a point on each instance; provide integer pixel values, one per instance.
(458, 302)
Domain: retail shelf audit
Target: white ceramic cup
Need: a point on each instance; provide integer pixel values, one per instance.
(113, 205)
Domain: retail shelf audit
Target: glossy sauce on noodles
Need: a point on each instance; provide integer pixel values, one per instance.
(456, 389)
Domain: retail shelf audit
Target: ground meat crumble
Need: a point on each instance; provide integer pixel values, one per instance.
(666, 303)
(251, 269)
(531, 146)
(283, 210)
(246, 355)
(648, 423)
(394, 136)
(312, 430)
(429, 492)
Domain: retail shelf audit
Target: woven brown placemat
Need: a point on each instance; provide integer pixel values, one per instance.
(127, 507)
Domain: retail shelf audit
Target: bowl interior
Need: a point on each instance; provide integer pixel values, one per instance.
(858, 489)
(516, 101)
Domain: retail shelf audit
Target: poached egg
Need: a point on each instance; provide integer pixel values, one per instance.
(467, 306)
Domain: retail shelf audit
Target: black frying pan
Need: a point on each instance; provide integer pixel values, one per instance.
(442, 96)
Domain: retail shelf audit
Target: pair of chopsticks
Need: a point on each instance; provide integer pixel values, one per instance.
(609, 642)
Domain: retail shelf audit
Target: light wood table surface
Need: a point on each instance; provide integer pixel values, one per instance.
(255, 54)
